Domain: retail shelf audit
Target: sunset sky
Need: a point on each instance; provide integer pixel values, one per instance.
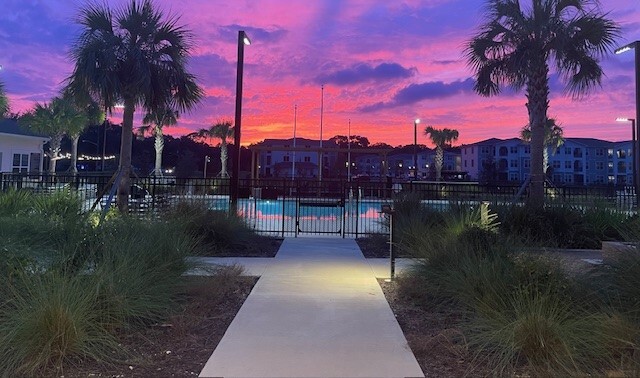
(382, 62)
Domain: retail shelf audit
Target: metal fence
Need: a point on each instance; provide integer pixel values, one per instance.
(291, 208)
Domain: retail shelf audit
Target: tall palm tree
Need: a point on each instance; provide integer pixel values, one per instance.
(442, 138)
(55, 119)
(135, 56)
(553, 138)
(220, 130)
(154, 122)
(516, 46)
(4, 102)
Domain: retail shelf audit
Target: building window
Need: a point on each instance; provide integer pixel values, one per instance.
(513, 149)
(600, 152)
(527, 149)
(503, 151)
(286, 158)
(567, 165)
(600, 165)
(567, 151)
(485, 150)
(622, 154)
(513, 176)
(20, 163)
(35, 162)
(268, 160)
(514, 164)
(307, 159)
(471, 163)
(610, 153)
(526, 163)
(465, 164)
(556, 164)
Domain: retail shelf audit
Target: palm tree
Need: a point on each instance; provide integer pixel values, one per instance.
(154, 122)
(86, 107)
(442, 138)
(553, 139)
(4, 102)
(517, 44)
(55, 119)
(135, 56)
(221, 130)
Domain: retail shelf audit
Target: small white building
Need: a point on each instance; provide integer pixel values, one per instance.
(20, 150)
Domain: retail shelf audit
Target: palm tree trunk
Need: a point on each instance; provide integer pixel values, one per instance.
(439, 161)
(223, 159)
(537, 105)
(56, 141)
(545, 159)
(159, 146)
(74, 154)
(125, 156)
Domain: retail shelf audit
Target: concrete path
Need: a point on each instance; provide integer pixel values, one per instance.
(317, 311)
(256, 266)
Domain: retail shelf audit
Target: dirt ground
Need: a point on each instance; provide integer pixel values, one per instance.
(180, 346)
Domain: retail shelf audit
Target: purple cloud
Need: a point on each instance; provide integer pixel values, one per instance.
(255, 34)
(418, 92)
(365, 72)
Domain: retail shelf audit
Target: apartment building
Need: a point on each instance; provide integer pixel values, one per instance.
(579, 161)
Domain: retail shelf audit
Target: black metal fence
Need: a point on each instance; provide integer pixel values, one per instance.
(298, 207)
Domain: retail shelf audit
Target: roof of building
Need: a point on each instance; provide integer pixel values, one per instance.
(589, 142)
(11, 126)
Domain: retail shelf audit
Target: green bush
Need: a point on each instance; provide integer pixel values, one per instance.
(216, 231)
(561, 227)
(53, 318)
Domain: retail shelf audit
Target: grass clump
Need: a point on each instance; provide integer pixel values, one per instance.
(521, 313)
(68, 288)
(216, 231)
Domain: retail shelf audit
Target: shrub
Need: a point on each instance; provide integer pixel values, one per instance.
(562, 227)
(215, 230)
(52, 319)
(137, 267)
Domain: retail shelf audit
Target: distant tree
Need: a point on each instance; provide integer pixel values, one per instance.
(442, 138)
(135, 56)
(357, 141)
(221, 130)
(553, 138)
(55, 119)
(516, 45)
(4, 102)
(154, 122)
(381, 145)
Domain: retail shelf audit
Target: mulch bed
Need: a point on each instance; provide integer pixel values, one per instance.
(433, 333)
(181, 345)
(259, 246)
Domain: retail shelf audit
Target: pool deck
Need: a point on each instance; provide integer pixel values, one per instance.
(316, 311)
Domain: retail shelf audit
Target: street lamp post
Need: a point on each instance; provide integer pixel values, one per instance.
(415, 148)
(636, 47)
(349, 152)
(634, 150)
(235, 178)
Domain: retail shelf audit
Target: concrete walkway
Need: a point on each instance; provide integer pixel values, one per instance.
(317, 311)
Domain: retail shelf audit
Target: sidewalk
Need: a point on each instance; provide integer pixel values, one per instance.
(317, 311)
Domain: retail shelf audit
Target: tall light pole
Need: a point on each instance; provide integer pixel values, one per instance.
(634, 149)
(349, 152)
(320, 155)
(636, 47)
(235, 178)
(415, 148)
(295, 121)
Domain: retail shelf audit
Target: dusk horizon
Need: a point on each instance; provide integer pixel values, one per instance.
(382, 65)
